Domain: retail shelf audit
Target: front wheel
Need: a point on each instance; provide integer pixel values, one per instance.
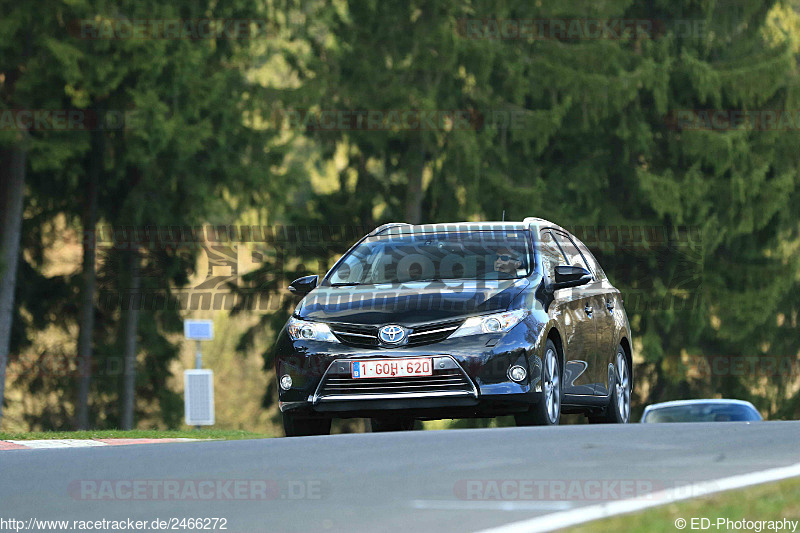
(548, 411)
(303, 427)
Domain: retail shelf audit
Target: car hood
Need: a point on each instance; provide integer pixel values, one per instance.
(408, 303)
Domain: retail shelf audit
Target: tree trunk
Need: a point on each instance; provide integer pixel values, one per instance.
(86, 334)
(415, 192)
(12, 194)
(131, 325)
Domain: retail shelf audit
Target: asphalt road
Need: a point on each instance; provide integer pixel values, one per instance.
(456, 480)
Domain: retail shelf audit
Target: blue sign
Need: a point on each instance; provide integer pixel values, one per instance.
(198, 330)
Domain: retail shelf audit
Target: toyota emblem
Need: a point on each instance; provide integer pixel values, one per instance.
(392, 334)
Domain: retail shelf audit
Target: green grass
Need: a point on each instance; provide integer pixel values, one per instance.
(773, 501)
(222, 434)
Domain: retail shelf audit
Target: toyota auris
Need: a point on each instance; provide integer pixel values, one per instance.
(453, 321)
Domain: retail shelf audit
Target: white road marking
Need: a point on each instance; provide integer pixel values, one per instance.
(462, 505)
(58, 443)
(50, 444)
(581, 515)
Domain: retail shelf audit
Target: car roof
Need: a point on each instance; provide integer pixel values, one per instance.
(396, 228)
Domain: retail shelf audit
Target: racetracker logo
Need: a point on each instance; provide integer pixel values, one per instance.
(734, 119)
(554, 28)
(563, 489)
(186, 29)
(753, 366)
(402, 119)
(67, 120)
(195, 489)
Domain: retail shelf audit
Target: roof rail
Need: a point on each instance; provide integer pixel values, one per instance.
(380, 229)
(541, 222)
(534, 219)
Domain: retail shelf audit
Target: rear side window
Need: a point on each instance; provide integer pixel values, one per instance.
(593, 264)
(571, 251)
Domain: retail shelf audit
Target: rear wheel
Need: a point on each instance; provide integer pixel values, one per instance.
(391, 424)
(548, 410)
(303, 427)
(619, 401)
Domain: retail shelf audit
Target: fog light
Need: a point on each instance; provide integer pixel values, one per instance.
(286, 382)
(517, 373)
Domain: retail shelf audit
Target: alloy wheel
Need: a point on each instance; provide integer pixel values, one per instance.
(622, 388)
(552, 386)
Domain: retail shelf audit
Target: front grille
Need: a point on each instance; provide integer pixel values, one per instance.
(449, 380)
(436, 332)
(356, 335)
(367, 336)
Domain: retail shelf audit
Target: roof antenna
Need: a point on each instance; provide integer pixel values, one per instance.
(504, 215)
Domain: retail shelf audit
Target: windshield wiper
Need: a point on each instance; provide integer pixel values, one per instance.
(345, 284)
(442, 280)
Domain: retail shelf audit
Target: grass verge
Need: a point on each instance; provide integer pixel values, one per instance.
(772, 501)
(222, 434)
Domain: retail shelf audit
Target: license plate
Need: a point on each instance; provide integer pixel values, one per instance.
(392, 368)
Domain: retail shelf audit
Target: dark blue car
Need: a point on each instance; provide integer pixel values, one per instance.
(454, 321)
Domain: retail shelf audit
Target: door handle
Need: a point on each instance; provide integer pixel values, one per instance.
(588, 310)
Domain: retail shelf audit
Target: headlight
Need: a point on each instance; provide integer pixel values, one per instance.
(309, 331)
(497, 323)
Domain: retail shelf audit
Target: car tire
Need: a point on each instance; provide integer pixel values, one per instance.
(304, 427)
(547, 411)
(619, 395)
(380, 425)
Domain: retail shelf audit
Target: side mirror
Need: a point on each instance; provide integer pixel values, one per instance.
(304, 285)
(571, 276)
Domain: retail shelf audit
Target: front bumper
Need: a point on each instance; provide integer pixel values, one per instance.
(448, 386)
(474, 369)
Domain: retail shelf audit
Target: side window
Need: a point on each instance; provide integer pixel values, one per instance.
(598, 270)
(551, 254)
(574, 256)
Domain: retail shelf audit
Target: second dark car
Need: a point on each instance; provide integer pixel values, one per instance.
(453, 321)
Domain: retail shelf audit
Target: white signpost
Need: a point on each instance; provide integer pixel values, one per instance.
(198, 403)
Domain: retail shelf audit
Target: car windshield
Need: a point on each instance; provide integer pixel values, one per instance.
(401, 258)
(706, 412)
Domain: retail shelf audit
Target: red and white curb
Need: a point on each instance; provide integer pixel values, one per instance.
(78, 443)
